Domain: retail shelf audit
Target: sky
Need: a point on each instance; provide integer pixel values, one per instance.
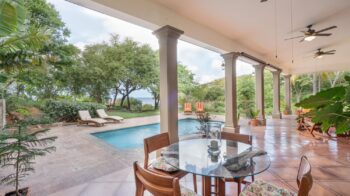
(89, 27)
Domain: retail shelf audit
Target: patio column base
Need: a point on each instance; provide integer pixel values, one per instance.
(277, 115)
(232, 129)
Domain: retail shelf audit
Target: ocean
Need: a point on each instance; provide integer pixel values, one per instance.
(146, 100)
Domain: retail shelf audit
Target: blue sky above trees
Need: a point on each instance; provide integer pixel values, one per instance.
(89, 27)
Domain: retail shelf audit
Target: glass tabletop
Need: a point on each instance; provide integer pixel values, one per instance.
(235, 159)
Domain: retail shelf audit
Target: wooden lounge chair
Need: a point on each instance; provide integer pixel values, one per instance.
(102, 114)
(158, 184)
(187, 108)
(304, 182)
(85, 118)
(199, 107)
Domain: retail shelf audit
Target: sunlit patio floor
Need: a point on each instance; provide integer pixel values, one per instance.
(85, 165)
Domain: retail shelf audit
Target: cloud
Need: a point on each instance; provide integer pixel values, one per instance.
(89, 27)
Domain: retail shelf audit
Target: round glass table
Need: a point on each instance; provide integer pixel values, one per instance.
(235, 159)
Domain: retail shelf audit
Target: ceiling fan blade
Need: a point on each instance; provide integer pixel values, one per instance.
(294, 37)
(326, 29)
(323, 34)
(330, 51)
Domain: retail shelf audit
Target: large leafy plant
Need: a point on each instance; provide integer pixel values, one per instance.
(330, 107)
(18, 149)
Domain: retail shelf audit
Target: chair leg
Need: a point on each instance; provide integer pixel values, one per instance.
(253, 178)
(195, 183)
(239, 184)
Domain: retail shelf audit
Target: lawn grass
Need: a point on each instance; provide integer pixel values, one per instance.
(129, 114)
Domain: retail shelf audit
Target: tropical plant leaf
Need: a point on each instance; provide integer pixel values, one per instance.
(322, 98)
(12, 16)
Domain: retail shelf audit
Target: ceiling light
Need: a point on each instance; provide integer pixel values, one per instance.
(319, 57)
(310, 38)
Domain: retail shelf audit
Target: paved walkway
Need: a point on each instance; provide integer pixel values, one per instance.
(85, 165)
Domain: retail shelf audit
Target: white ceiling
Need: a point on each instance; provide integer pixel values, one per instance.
(252, 24)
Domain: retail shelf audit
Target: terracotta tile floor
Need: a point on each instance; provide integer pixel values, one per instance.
(86, 166)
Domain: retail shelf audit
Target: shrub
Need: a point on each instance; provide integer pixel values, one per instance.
(136, 105)
(40, 121)
(147, 107)
(13, 103)
(68, 111)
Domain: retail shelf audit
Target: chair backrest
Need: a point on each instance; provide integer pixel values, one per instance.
(247, 139)
(154, 143)
(84, 115)
(187, 107)
(101, 113)
(200, 106)
(304, 178)
(155, 183)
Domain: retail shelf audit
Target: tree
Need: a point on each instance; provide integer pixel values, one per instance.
(154, 85)
(301, 86)
(137, 62)
(96, 72)
(19, 149)
(186, 83)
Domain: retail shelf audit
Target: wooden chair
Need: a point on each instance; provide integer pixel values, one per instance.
(187, 108)
(247, 139)
(304, 182)
(199, 107)
(157, 184)
(155, 143)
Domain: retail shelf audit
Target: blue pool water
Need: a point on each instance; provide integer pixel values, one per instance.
(132, 137)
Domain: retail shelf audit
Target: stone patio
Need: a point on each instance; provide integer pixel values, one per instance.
(85, 165)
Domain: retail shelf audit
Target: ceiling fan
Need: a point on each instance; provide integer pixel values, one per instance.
(310, 34)
(319, 54)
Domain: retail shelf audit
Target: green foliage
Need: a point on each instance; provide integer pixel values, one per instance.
(136, 105)
(252, 113)
(13, 103)
(12, 16)
(18, 150)
(68, 111)
(43, 120)
(330, 107)
(147, 107)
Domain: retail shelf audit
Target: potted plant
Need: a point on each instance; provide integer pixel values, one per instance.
(18, 149)
(253, 116)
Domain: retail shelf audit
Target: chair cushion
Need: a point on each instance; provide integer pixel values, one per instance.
(161, 164)
(262, 188)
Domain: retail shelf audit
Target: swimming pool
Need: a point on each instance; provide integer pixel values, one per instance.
(132, 137)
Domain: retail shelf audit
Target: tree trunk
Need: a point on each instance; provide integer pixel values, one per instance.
(122, 100)
(156, 102)
(128, 101)
(115, 96)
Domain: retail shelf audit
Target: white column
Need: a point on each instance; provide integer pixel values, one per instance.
(276, 113)
(287, 96)
(167, 38)
(259, 92)
(314, 84)
(231, 121)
